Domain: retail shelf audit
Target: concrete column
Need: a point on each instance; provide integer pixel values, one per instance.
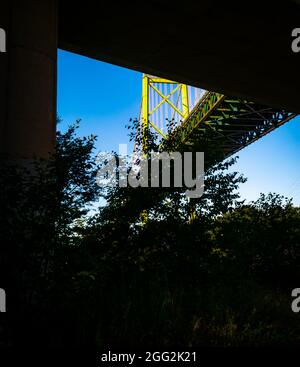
(28, 78)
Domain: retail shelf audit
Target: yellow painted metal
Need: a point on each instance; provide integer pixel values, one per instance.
(145, 112)
(158, 130)
(167, 100)
(164, 98)
(185, 100)
(208, 106)
(181, 108)
(161, 80)
(192, 214)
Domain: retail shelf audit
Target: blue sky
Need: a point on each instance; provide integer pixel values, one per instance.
(105, 97)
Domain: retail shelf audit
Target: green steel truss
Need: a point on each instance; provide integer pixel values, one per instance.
(233, 123)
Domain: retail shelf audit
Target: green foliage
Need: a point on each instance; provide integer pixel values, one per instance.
(223, 279)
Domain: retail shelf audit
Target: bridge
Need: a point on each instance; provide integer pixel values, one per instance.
(232, 48)
(185, 117)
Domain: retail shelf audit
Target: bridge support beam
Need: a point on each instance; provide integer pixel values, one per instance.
(145, 112)
(28, 78)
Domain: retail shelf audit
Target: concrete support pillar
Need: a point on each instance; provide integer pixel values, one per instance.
(28, 78)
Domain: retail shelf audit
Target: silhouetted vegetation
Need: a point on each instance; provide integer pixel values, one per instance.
(110, 278)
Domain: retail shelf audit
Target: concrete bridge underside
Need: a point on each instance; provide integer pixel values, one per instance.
(235, 48)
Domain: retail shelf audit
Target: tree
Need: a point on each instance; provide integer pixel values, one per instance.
(110, 278)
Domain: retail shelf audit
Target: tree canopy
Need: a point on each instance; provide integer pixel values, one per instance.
(110, 278)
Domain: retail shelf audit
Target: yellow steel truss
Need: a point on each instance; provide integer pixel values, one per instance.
(150, 82)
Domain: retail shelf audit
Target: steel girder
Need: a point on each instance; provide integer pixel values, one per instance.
(232, 123)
